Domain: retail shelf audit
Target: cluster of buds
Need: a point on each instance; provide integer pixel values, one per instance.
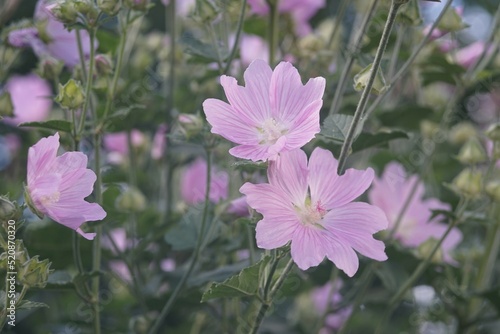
(35, 273)
(138, 5)
(69, 11)
(71, 96)
(110, 7)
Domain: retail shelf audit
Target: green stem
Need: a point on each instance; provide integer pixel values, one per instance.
(196, 253)
(90, 79)
(80, 53)
(239, 29)
(353, 53)
(96, 255)
(268, 299)
(338, 21)
(358, 115)
(406, 66)
(274, 29)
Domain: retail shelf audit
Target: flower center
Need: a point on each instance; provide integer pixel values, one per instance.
(271, 131)
(50, 199)
(311, 214)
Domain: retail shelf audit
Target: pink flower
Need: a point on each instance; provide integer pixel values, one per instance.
(309, 205)
(117, 145)
(390, 193)
(467, 56)
(193, 183)
(328, 298)
(31, 97)
(273, 113)
(238, 207)
(159, 142)
(252, 47)
(58, 185)
(300, 10)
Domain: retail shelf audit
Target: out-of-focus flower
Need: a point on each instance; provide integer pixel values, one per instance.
(159, 142)
(57, 186)
(252, 47)
(273, 113)
(31, 98)
(309, 205)
(117, 145)
(194, 183)
(484, 108)
(390, 193)
(9, 145)
(467, 56)
(301, 11)
(238, 207)
(327, 298)
(168, 265)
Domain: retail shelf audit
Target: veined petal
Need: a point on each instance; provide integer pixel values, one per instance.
(227, 123)
(288, 96)
(257, 82)
(41, 156)
(69, 161)
(271, 233)
(343, 256)
(77, 184)
(88, 236)
(308, 247)
(289, 173)
(252, 152)
(268, 200)
(305, 127)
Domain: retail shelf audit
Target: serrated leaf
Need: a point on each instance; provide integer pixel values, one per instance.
(245, 284)
(336, 127)
(27, 304)
(367, 140)
(58, 125)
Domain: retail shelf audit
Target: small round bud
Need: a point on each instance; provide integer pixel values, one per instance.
(7, 208)
(472, 152)
(71, 95)
(35, 273)
(131, 200)
(468, 183)
(493, 132)
(190, 125)
(428, 128)
(425, 249)
(50, 68)
(460, 133)
(64, 11)
(103, 64)
(361, 81)
(492, 188)
(206, 11)
(110, 7)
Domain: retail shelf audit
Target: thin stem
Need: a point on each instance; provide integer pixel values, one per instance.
(88, 88)
(338, 21)
(76, 253)
(239, 28)
(400, 33)
(273, 29)
(268, 300)
(358, 115)
(81, 53)
(251, 246)
(353, 53)
(406, 66)
(22, 294)
(96, 256)
(196, 253)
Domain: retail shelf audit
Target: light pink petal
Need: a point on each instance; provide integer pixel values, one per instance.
(77, 184)
(308, 247)
(251, 152)
(268, 200)
(229, 124)
(305, 126)
(271, 234)
(68, 161)
(289, 173)
(42, 188)
(288, 96)
(88, 236)
(257, 82)
(343, 257)
(41, 156)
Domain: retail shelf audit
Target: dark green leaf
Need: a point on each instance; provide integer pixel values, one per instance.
(336, 127)
(493, 296)
(367, 140)
(408, 117)
(218, 274)
(58, 125)
(246, 283)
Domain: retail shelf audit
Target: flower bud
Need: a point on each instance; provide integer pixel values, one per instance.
(310, 45)
(361, 80)
(64, 11)
(139, 324)
(451, 21)
(140, 5)
(472, 152)
(103, 64)
(21, 252)
(71, 95)
(6, 106)
(428, 128)
(460, 133)
(493, 190)
(468, 183)
(87, 9)
(493, 132)
(49, 68)
(35, 273)
(131, 200)
(425, 249)
(206, 11)
(110, 7)
(190, 125)
(7, 208)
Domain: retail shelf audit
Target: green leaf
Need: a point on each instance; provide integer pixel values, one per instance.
(58, 125)
(27, 304)
(336, 127)
(245, 284)
(407, 118)
(367, 140)
(218, 274)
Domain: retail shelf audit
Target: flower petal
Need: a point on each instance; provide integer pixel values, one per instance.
(289, 173)
(343, 257)
(308, 247)
(41, 156)
(271, 234)
(270, 201)
(252, 152)
(305, 126)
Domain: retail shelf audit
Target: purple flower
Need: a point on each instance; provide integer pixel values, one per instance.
(159, 142)
(22, 38)
(328, 298)
(31, 98)
(468, 55)
(273, 113)
(309, 205)
(57, 185)
(390, 193)
(193, 183)
(117, 145)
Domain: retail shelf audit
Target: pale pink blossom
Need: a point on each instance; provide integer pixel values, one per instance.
(194, 183)
(57, 185)
(468, 55)
(301, 11)
(391, 191)
(167, 265)
(31, 97)
(309, 206)
(117, 145)
(159, 142)
(273, 113)
(252, 47)
(239, 207)
(327, 299)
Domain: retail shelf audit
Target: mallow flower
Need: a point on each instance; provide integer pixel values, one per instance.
(309, 206)
(273, 113)
(194, 183)
(390, 193)
(57, 186)
(327, 299)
